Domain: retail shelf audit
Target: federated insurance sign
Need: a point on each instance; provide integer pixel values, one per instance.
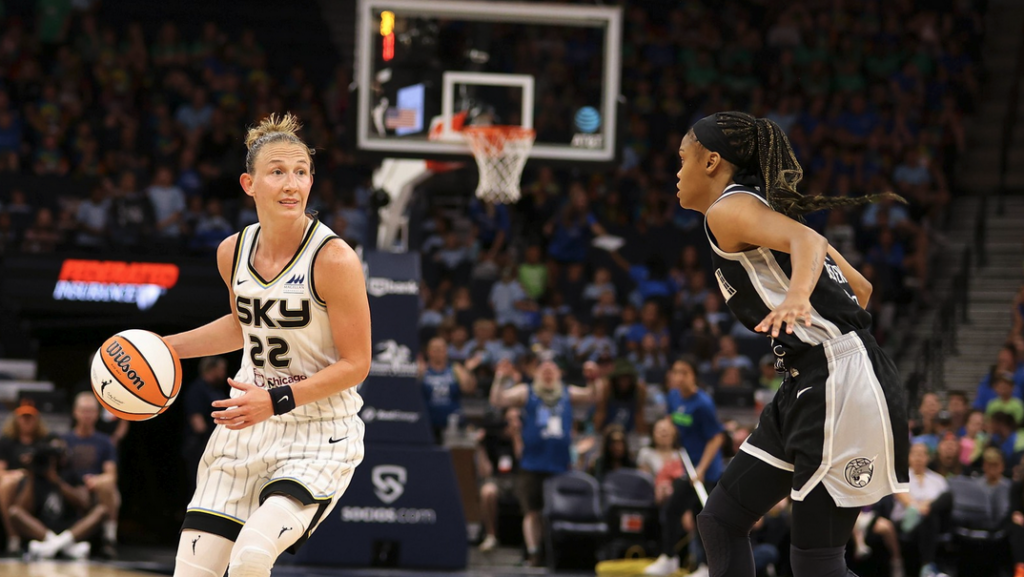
(141, 283)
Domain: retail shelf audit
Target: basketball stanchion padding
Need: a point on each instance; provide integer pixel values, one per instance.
(501, 153)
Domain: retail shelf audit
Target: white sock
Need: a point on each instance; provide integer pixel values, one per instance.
(110, 531)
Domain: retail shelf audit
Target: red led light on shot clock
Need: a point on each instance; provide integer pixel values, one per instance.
(387, 30)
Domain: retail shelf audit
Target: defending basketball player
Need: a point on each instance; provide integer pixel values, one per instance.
(835, 437)
(289, 438)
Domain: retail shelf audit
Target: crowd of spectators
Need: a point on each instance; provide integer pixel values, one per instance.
(872, 95)
(129, 140)
(963, 515)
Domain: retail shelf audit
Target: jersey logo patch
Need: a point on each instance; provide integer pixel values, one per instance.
(295, 285)
(859, 471)
(727, 291)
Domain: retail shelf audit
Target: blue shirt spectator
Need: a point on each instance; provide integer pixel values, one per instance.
(90, 453)
(10, 132)
(197, 114)
(492, 221)
(168, 203)
(697, 422)
(507, 295)
(573, 228)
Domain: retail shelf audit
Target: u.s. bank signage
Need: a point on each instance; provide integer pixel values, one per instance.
(393, 407)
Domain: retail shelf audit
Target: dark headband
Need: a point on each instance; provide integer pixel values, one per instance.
(712, 138)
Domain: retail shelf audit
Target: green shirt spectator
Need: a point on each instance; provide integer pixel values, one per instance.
(533, 277)
(1012, 406)
(1005, 402)
(53, 19)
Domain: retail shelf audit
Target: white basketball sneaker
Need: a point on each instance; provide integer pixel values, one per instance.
(78, 551)
(663, 565)
(489, 543)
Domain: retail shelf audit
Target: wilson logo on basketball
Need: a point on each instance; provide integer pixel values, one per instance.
(122, 360)
(142, 283)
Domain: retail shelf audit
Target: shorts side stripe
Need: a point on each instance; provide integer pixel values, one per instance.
(765, 456)
(883, 410)
(830, 424)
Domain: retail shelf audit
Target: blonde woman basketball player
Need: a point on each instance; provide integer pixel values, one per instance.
(289, 438)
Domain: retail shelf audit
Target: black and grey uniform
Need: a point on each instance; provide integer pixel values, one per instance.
(839, 418)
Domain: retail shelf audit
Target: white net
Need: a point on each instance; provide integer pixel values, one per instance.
(501, 153)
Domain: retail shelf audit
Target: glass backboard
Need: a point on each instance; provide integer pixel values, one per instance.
(423, 65)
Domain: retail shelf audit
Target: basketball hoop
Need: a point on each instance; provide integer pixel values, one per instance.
(501, 153)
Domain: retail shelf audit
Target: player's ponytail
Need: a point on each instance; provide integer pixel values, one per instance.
(273, 128)
(760, 151)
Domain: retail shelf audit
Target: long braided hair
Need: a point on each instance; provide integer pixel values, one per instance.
(765, 151)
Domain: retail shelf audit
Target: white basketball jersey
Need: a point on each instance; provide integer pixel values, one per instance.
(285, 326)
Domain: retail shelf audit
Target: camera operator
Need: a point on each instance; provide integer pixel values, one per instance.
(49, 504)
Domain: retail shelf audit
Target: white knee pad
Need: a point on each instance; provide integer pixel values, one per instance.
(251, 562)
(201, 554)
(278, 523)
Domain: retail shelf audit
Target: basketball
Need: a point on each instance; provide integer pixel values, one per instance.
(136, 375)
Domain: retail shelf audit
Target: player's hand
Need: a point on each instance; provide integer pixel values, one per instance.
(89, 481)
(253, 407)
(792, 311)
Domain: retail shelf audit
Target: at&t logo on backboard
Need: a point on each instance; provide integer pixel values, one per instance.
(588, 122)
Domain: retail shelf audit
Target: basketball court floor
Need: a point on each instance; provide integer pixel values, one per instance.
(149, 562)
(13, 568)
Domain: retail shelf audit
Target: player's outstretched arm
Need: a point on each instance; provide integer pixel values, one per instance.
(742, 221)
(223, 335)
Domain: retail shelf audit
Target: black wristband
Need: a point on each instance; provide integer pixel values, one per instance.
(283, 399)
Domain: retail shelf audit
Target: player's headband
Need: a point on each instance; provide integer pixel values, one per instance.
(711, 137)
